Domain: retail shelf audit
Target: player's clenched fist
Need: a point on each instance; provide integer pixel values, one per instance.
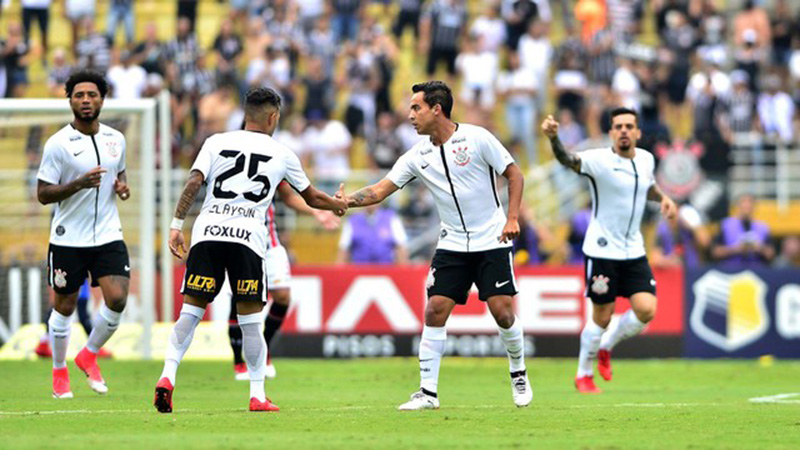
(550, 127)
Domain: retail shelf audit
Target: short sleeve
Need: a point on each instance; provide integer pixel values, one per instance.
(590, 162)
(202, 163)
(398, 231)
(494, 153)
(295, 175)
(50, 168)
(403, 171)
(121, 166)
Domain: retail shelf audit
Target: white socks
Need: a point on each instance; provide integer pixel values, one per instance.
(180, 339)
(627, 326)
(431, 349)
(255, 353)
(105, 324)
(590, 343)
(60, 329)
(515, 345)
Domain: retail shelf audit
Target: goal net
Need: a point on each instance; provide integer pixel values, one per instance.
(25, 126)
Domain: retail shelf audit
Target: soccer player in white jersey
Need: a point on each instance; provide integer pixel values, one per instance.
(82, 171)
(279, 276)
(459, 163)
(242, 170)
(621, 181)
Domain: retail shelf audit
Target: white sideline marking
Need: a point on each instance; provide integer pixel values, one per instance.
(779, 398)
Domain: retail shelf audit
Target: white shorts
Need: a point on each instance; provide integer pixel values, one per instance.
(279, 272)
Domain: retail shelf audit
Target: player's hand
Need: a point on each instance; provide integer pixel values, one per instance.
(327, 219)
(510, 231)
(122, 190)
(340, 195)
(550, 127)
(92, 178)
(668, 208)
(176, 243)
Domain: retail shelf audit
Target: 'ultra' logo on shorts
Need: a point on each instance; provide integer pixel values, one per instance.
(247, 287)
(200, 283)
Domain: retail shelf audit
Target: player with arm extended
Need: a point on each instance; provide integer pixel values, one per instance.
(82, 171)
(621, 180)
(278, 280)
(242, 170)
(459, 163)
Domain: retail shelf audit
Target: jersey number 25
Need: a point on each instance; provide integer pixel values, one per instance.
(252, 173)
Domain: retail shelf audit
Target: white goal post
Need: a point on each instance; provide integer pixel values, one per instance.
(154, 117)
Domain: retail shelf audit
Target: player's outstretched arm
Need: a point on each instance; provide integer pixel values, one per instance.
(177, 245)
(52, 193)
(371, 194)
(567, 159)
(320, 200)
(668, 207)
(516, 183)
(294, 201)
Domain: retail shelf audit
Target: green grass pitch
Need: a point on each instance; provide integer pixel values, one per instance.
(352, 404)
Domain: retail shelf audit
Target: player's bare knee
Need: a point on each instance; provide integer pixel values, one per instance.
(601, 314)
(505, 319)
(646, 314)
(117, 303)
(435, 314)
(281, 296)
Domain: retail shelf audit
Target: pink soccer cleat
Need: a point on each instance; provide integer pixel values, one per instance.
(240, 372)
(61, 387)
(43, 350)
(87, 362)
(163, 397)
(257, 405)
(104, 354)
(585, 385)
(604, 364)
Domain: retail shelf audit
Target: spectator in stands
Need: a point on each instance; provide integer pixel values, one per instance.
(12, 60)
(388, 146)
(571, 87)
(739, 107)
(680, 241)
(776, 111)
(181, 56)
(478, 72)
(519, 14)
(407, 16)
(490, 30)
(228, 48)
(750, 57)
(121, 11)
(345, 19)
(256, 39)
(784, 28)
(150, 53)
(743, 241)
(39, 10)
(602, 60)
(443, 27)
(214, 110)
(373, 236)
(310, 11)
(318, 88)
(790, 253)
(570, 131)
(536, 53)
(187, 9)
(528, 246)
(752, 19)
(362, 79)
(625, 85)
(593, 18)
(386, 53)
(326, 150)
(712, 27)
(93, 50)
(322, 44)
(127, 79)
(624, 18)
(59, 73)
(518, 87)
(76, 11)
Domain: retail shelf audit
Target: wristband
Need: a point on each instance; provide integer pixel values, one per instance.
(177, 224)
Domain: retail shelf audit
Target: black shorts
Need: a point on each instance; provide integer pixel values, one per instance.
(206, 266)
(453, 273)
(607, 279)
(68, 267)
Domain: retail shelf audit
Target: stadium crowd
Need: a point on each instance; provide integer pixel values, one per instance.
(704, 79)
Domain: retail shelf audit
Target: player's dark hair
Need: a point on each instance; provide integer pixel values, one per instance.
(436, 93)
(259, 97)
(622, 111)
(86, 76)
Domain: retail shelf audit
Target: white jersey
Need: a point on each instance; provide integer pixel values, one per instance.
(242, 170)
(619, 192)
(461, 176)
(89, 217)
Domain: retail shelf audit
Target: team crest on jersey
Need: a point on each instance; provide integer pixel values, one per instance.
(60, 278)
(600, 284)
(112, 148)
(431, 278)
(462, 157)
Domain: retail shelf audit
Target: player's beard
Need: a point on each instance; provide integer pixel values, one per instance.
(79, 115)
(624, 147)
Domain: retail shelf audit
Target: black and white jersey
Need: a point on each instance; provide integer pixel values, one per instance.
(461, 175)
(619, 192)
(242, 170)
(89, 217)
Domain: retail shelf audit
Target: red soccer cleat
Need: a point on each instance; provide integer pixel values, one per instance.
(43, 350)
(87, 362)
(604, 364)
(585, 385)
(163, 397)
(61, 387)
(257, 405)
(240, 372)
(105, 354)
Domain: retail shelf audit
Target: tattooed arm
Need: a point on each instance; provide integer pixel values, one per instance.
(372, 194)
(177, 245)
(567, 159)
